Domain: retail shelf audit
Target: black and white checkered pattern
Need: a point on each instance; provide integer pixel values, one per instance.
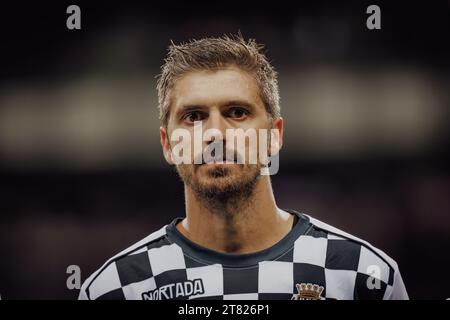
(160, 267)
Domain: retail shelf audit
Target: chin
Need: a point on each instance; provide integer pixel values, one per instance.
(217, 183)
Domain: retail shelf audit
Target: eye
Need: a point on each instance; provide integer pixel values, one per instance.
(238, 113)
(193, 116)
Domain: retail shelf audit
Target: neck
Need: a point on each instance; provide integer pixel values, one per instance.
(238, 225)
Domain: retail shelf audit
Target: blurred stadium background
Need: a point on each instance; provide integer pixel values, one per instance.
(81, 170)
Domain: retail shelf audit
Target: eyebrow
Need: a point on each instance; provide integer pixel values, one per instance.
(239, 103)
(197, 107)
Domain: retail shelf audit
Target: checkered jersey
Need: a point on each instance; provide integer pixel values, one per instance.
(166, 265)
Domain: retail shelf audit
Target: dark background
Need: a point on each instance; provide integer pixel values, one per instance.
(81, 170)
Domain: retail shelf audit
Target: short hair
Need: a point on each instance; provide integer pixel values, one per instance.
(215, 54)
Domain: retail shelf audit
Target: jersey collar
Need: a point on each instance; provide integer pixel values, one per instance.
(209, 256)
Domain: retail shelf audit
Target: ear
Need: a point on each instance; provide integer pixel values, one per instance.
(165, 143)
(276, 141)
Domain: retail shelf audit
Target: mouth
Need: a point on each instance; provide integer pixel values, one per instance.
(230, 158)
(218, 163)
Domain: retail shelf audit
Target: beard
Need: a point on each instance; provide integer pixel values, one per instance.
(222, 188)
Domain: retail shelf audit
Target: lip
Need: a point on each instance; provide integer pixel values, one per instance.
(224, 161)
(217, 163)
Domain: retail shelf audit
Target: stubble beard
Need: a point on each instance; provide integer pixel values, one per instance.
(222, 191)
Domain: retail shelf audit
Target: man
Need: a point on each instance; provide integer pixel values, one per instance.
(235, 243)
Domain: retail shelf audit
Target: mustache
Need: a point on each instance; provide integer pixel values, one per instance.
(218, 152)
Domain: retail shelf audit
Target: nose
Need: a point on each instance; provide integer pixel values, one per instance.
(217, 122)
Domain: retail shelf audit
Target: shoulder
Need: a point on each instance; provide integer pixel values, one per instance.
(129, 265)
(341, 242)
(344, 255)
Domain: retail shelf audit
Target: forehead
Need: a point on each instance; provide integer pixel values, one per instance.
(215, 87)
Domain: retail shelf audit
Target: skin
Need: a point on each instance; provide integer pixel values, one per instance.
(247, 219)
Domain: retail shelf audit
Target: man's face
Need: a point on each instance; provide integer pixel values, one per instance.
(223, 99)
